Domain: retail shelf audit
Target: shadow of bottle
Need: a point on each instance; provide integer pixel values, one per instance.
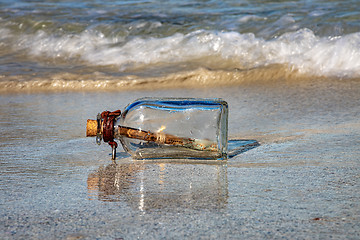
(238, 146)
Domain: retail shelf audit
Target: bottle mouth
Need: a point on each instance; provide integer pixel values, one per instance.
(91, 128)
(103, 129)
(103, 125)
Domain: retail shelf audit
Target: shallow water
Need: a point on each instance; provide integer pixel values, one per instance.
(301, 181)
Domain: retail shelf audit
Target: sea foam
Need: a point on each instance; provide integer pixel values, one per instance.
(301, 50)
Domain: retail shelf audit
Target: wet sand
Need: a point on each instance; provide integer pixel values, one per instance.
(301, 182)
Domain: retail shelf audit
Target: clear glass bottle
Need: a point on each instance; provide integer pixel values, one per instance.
(188, 128)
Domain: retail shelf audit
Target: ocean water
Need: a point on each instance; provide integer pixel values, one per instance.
(89, 45)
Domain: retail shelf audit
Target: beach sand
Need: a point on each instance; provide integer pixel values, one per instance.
(301, 182)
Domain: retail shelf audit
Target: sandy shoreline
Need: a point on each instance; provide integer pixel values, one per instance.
(302, 181)
(170, 78)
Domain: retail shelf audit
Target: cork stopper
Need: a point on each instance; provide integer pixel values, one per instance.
(91, 128)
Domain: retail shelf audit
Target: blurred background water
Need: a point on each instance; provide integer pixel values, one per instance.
(105, 44)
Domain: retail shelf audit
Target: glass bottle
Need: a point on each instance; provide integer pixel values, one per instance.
(151, 128)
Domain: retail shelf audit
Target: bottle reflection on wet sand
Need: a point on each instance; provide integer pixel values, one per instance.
(148, 185)
(109, 181)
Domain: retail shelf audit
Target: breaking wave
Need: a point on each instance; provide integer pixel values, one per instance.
(302, 51)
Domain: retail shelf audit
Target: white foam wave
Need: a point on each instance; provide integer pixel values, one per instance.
(301, 50)
(4, 34)
(43, 44)
(248, 18)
